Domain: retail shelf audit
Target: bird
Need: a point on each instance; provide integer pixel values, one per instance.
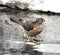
(32, 28)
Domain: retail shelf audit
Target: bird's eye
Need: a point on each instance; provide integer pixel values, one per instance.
(20, 19)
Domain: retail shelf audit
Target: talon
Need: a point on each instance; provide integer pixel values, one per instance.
(28, 40)
(37, 39)
(28, 37)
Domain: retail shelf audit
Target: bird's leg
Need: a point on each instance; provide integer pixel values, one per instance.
(38, 39)
(28, 37)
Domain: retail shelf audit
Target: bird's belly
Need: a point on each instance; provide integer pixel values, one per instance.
(34, 32)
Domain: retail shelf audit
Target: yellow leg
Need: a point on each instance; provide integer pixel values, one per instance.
(38, 39)
(28, 37)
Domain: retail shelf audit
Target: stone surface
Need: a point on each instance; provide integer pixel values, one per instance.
(11, 31)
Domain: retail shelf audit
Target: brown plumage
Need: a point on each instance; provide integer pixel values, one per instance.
(36, 30)
(32, 28)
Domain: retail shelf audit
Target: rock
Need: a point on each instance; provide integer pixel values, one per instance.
(13, 50)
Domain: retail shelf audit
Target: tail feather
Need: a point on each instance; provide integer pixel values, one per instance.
(15, 21)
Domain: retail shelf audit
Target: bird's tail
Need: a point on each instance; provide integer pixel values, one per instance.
(13, 20)
(16, 21)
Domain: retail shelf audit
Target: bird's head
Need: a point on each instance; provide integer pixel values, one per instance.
(20, 19)
(40, 20)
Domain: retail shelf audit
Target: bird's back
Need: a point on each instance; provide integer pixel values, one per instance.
(28, 26)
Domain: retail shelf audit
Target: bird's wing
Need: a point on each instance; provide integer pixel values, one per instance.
(37, 29)
(27, 26)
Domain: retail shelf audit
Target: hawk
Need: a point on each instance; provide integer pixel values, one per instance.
(32, 28)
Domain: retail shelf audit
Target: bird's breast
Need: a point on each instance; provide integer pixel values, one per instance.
(37, 29)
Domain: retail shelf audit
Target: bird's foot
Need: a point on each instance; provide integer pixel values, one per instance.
(37, 39)
(28, 40)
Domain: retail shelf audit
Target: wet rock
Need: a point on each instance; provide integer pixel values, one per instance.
(13, 50)
(13, 32)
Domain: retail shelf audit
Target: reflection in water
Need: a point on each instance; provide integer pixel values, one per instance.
(27, 50)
